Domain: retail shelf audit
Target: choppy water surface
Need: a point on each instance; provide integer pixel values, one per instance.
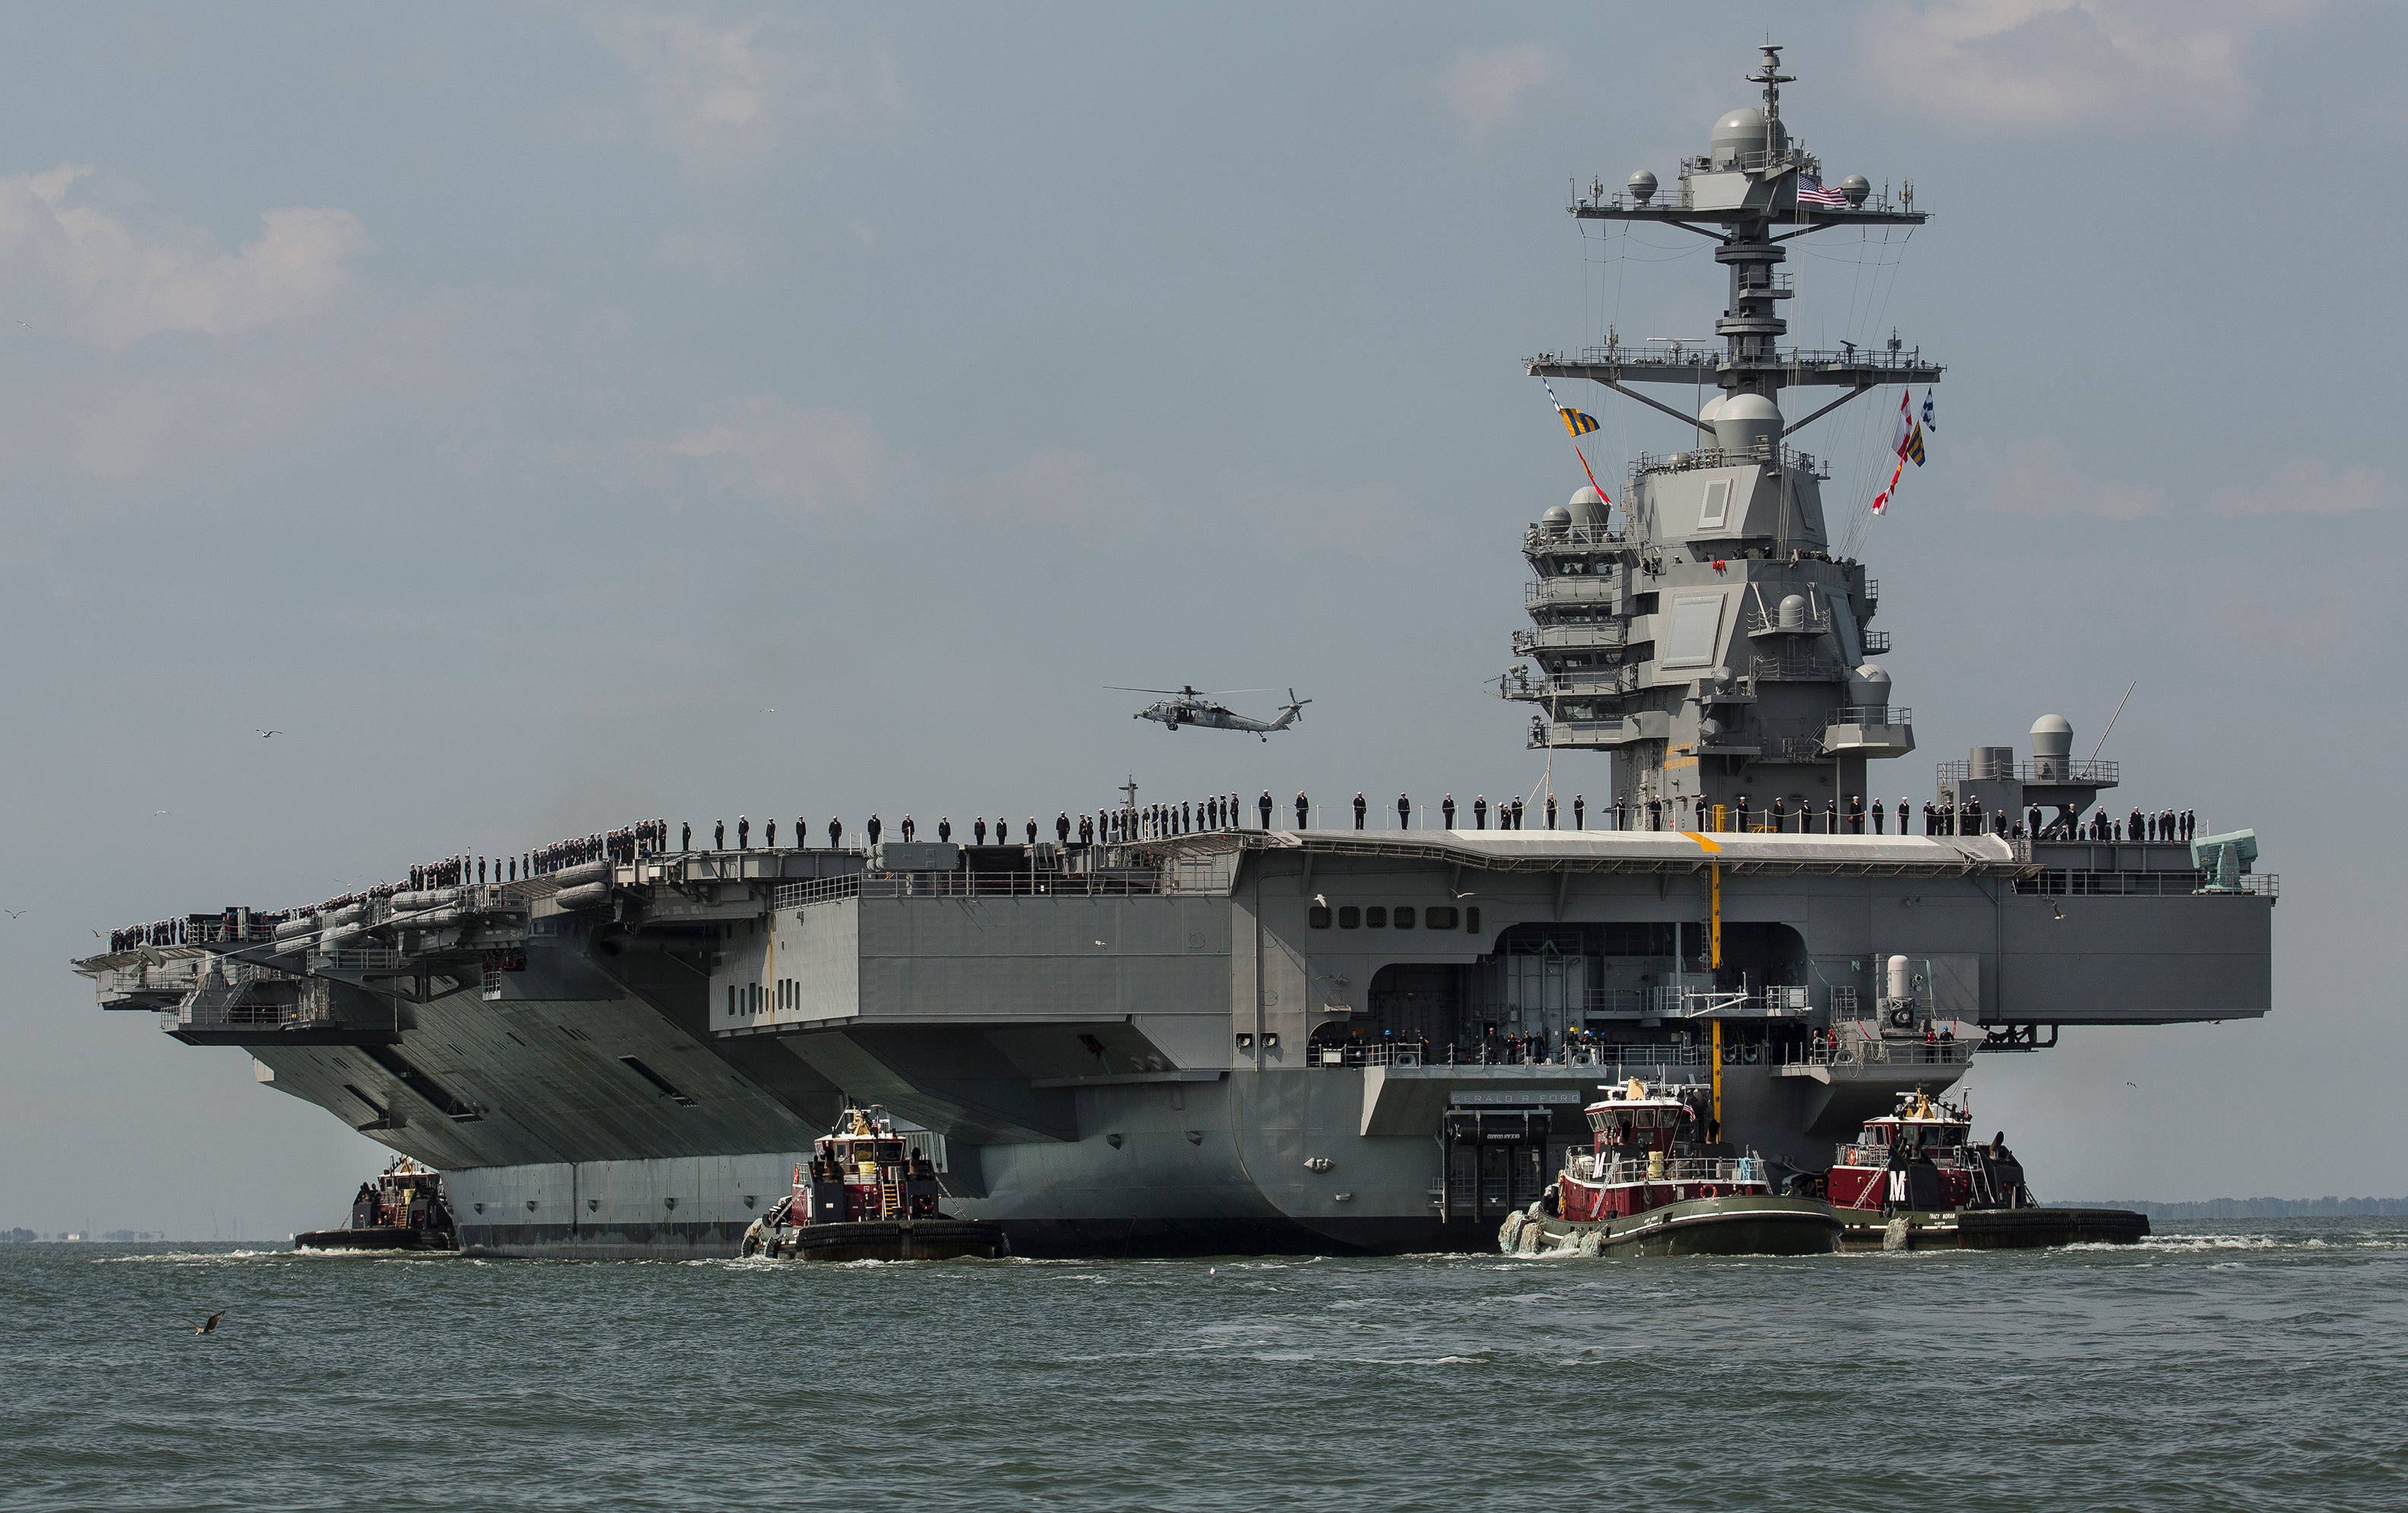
(2233, 1366)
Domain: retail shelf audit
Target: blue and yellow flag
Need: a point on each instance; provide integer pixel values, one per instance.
(1576, 422)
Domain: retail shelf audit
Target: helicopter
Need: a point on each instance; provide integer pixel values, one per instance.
(1189, 705)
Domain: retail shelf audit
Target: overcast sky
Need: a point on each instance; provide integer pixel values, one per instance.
(513, 405)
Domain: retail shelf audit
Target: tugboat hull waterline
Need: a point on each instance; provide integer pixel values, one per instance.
(1194, 1027)
(1757, 1226)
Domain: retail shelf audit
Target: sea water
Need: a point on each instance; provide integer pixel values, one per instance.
(2231, 1365)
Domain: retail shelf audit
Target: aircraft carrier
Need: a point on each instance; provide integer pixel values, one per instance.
(1221, 1026)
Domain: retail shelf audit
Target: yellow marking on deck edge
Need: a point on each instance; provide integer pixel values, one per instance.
(1702, 843)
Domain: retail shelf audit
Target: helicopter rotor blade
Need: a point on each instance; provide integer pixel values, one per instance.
(1184, 693)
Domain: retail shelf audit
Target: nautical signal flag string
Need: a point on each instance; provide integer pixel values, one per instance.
(1578, 423)
(1906, 440)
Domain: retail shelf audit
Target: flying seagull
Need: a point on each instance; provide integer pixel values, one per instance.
(264, 734)
(15, 914)
(771, 711)
(206, 1326)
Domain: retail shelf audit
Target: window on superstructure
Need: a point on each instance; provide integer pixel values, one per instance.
(1350, 918)
(1317, 917)
(1375, 917)
(1442, 917)
(1404, 917)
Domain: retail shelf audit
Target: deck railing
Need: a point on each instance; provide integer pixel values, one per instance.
(1371, 1054)
(2067, 884)
(966, 885)
(2044, 770)
(1620, 1169)
(1864, 1052)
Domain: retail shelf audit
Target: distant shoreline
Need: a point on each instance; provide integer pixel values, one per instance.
(2327, 1208)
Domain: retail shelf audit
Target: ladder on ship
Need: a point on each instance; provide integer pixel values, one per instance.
(890, 1198)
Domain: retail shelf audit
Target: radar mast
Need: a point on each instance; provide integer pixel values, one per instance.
(1709, 641)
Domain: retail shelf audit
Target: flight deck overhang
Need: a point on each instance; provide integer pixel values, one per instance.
(1634, 851)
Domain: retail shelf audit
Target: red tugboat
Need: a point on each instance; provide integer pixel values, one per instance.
(866, 1195)
(403, 1209)
(1647, 1187)
(1915, 1180)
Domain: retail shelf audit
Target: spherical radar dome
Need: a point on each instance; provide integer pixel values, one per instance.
(1556, 517)
(1587, 508)
(1744, 421)
(1741, 133)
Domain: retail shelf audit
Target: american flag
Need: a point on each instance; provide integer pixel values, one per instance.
(1810, 192)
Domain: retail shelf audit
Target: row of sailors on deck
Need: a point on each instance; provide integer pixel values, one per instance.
(1222, 812)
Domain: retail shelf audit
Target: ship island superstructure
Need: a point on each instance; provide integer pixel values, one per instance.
(1201, 1029)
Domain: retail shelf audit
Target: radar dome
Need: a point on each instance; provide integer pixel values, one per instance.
(1642, 186)
(1856, 186)
(1793, 612)
(2052, 739)
(1706, 416)
(1869, 686)
(1741, 133)
(1587, 508)
(1556, 517)
(1744, 421)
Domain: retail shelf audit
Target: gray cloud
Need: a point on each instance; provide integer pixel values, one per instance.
(724, 98)
(113, 283)
(1483, 87)
(2311, 488)
(766, 449)
(715, 249)
(2052, 64)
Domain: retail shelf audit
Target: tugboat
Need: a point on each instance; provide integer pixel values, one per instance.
(867, 1196)
(403, 1209)
(1915, 1180)
(1649, 1187)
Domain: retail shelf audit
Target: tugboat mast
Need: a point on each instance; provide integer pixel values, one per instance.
(1711, 642)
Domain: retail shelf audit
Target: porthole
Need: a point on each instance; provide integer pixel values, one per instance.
(1375, 917)
(1404, 917)
(1350, 918)
(1317, 917)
